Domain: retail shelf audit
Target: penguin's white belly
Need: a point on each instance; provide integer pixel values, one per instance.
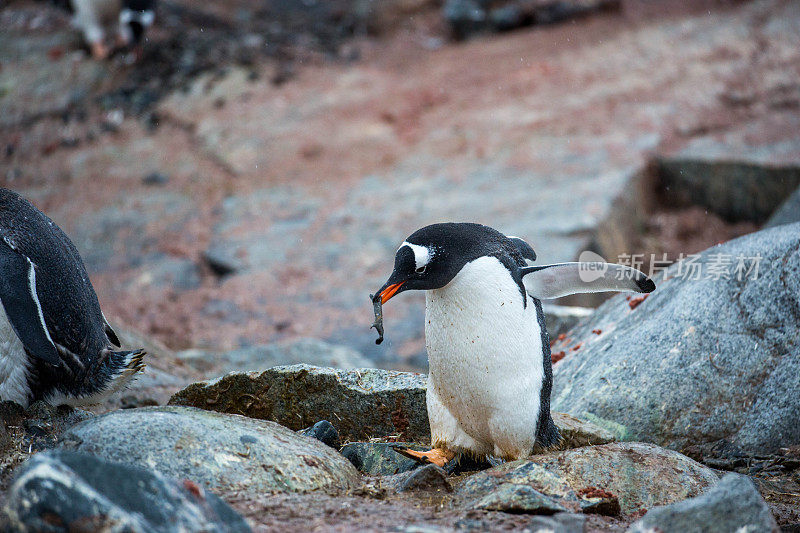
(485, 358)
(13, 364)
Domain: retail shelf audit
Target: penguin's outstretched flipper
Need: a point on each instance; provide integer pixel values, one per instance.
(562, 279)
(21, 304)
(437, 456)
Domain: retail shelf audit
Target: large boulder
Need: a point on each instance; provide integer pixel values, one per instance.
(636, 475)
(362, 404)
(712, 362)
(61, 490)
(222, 452)
(733, 504)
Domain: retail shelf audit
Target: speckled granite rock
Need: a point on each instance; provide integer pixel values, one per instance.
(701, 361)
(362, 403)
(638, 475)
(222, 452)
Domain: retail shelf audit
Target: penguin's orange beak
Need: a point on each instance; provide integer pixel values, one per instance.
(387, 292)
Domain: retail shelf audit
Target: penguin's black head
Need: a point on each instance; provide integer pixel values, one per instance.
(432, 256)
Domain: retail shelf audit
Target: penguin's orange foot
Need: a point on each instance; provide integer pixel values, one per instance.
(437, 456)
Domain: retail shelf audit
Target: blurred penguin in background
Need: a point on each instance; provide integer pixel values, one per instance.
(129, 19)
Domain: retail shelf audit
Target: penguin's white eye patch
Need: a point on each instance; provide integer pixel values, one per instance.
(422, 255)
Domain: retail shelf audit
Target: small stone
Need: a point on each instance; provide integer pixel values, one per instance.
(520, 499)
(425, 478)
(324, 432)
(155, 178)
(379, 458)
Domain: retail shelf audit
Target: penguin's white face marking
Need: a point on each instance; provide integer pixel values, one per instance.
(422, 255)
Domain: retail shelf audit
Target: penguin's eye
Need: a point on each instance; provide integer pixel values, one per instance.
(421, 270)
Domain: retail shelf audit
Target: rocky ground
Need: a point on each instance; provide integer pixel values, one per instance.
(239, 192)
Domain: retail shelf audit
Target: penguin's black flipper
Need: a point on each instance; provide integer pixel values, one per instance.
(110, 333)
(21, 304)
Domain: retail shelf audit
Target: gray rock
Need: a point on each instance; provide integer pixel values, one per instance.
(222, 452)
(430, 478)
(378, 458)
(638, 475)
(787, 213)
(62, 490)
(324, 432)
(512, 498)
(699, 361)
(309, 351)
(733, 504)
(363, 403)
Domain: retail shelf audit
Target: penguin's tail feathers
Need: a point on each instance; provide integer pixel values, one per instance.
(134, 360)
(116, 372)
(128, 365)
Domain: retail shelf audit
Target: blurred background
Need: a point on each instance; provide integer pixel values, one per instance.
(243, 179)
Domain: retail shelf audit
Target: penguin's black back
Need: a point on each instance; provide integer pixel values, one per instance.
(69, 304)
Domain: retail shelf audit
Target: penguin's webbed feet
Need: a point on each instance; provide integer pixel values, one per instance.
(438, 456)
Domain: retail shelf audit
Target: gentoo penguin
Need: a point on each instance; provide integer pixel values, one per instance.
(55, 343)
(131, 18)
(490, 373)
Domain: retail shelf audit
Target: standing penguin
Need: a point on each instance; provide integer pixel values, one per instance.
(55, 343)
(490, 372)
(131, 17)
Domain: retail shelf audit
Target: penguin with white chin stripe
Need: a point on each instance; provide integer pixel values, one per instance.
(55, 343)
(490, 372)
